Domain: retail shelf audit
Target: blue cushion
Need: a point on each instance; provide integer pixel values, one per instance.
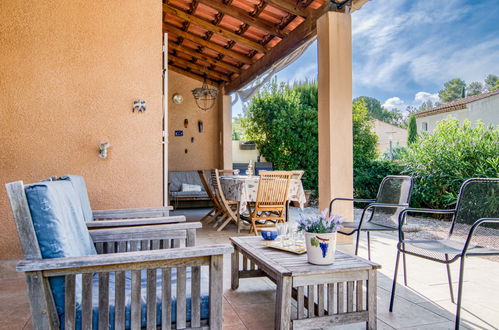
(59, 226)
(81, 189)
(205, 308)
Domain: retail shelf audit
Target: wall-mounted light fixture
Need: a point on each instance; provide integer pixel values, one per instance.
(139, 105)
(177, 98)
(103, 149)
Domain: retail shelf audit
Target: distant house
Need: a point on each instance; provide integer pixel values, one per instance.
(484, 107)
(388, 133)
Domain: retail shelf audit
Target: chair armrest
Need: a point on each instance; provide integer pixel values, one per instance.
(474, 227)
(359, 200)
(135, 222)
(131, 213)
(168, 231)
(404, 212)
(120, 261)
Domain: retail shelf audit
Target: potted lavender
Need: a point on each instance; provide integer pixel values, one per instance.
(320, 236)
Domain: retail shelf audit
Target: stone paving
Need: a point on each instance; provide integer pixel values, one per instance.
(425, 304)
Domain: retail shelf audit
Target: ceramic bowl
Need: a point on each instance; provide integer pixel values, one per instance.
(269, 235)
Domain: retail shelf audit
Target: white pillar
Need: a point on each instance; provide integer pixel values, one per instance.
(334, 36)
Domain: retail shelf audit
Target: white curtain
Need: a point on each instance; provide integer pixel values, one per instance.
(246, 92)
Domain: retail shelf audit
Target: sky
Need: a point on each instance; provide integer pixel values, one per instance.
(404, 50)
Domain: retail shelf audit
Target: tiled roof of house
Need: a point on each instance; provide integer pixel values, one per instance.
(455, 105)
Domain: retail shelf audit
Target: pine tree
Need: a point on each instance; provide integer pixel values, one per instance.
(412, 130)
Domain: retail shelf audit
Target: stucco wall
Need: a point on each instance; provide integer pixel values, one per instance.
(387, 132)
(70, 71)
(486, 110)
(203, 153)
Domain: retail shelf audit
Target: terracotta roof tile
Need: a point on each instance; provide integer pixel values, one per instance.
(455, 105)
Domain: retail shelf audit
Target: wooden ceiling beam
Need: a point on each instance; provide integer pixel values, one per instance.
(226, 33)
(193, 75)
(290, 7)
(203, 57)
(195, 66)
(244, 17)
(208, 44)
(295, 39)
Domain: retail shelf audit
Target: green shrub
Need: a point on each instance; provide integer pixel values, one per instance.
(442, 160)
(368, 176)
(282, 120)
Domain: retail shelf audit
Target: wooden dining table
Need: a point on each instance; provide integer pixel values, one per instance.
(244, 189)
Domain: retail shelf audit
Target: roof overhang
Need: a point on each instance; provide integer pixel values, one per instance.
(231, 42)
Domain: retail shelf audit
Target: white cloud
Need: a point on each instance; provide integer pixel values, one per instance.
(394, 103)
(422, 97)
(401, 43)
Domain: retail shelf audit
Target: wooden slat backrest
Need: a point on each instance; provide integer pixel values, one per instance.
(215, 180)
(209, 189)
(273, 188)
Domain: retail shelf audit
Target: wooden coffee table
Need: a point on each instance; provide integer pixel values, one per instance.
(341, 293)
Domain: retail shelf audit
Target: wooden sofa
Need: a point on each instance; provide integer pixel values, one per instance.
(104, 288)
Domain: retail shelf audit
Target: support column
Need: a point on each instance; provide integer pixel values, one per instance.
(334, 49)
(225, 130)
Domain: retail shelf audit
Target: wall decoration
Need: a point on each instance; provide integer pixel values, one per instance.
(186, 123)
(186, 151)
(103, 149)
(200, 126)
(139, 105)
(179, 133)
(192, 139)
(177, 98)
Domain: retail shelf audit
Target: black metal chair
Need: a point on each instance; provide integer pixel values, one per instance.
(474, 231)
(393, 196)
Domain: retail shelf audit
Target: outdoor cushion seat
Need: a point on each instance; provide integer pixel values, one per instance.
(60, 228)
(80, 187)
(205, 308)
(198, 194)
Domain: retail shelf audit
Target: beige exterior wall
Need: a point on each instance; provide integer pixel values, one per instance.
(387, 132)
(486, 110)
(243, 156)
(203, 153)
(70, 71)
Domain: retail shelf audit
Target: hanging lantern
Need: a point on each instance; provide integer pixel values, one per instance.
(205, 96)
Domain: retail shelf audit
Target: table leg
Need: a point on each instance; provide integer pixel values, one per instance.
(371, 300)
(283, 303)
(235, 269)
(287, 211)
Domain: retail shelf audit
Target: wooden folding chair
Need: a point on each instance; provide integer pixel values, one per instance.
(271, 200)
(227, 172)
(229, 214)
(217, 208)
(297, 174)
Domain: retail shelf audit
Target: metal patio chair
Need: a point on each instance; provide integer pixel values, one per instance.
(473, 231)
(393, 196)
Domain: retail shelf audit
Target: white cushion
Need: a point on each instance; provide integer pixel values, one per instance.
(190, 187)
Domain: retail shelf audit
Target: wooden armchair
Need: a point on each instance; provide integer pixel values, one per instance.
(271, 200)
(133, 216)
(134, 277)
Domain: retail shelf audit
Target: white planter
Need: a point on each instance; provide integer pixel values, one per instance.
(321, 248)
